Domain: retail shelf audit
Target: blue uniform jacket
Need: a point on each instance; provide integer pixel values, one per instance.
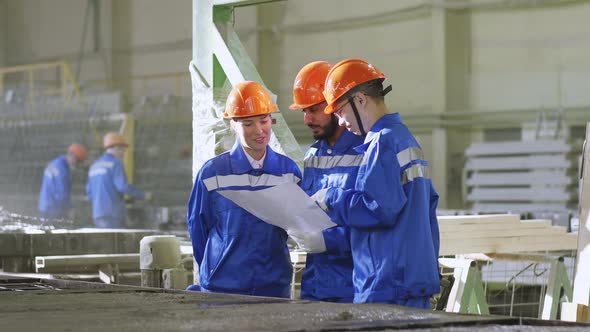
(107, 184)
(237, 252)
(54, 197)
(328, 275)
(392, 215)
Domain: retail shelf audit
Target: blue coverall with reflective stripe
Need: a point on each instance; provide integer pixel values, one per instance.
(237, 252)
(328, 275)
(392, 216)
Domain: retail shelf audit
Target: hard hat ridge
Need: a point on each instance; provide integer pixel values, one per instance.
(79, 151)
(246, 99)
(309, 85)
(344, 76)
(112, 139)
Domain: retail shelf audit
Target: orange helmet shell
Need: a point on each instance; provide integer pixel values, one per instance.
(112, 139)
(344, 76)
(248, 99)
(78, 150)
(309, 85)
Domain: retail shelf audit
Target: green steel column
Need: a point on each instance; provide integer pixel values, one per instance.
(219, 58)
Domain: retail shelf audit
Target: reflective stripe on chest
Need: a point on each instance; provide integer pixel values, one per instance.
(248, 180)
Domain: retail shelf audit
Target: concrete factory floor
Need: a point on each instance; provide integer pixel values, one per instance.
(59, 305)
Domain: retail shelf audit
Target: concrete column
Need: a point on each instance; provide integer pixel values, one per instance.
(458, 91)
(451, 59)
(106, 36)
(269, 50)
(3, 31)
(439, 167)
(121, 29)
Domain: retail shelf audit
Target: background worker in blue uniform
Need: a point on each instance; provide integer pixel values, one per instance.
(107, 185)
(237, 252)
(55, 194)
(330, 161)
(392, 209)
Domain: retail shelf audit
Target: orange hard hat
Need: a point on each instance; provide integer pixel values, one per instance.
(246, 99)
(113, 139)
(78, 150)
(309, 85)
(344, 76)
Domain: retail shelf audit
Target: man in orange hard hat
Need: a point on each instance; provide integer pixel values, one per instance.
(330, 161)
(391, 211)
(55, 194)
(107, 185)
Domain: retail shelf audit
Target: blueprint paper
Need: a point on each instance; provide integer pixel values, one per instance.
(285, 206)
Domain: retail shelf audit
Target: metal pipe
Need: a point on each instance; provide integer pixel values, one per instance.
(85, 263)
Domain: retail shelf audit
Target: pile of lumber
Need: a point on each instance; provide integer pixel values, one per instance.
(502, 233)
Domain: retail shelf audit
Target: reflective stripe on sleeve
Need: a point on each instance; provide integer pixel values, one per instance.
(413, 172)
(408, 155)
(403, 157)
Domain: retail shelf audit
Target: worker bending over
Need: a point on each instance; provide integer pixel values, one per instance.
(55, 195)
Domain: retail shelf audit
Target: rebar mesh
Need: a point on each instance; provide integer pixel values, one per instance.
(163, 148)
(518, 288)
(31, 135)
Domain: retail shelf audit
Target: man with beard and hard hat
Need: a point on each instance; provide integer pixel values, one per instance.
(55, 194)
(330, 161)
(107, 185)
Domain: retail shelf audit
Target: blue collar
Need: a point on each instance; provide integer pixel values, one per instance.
(346, 141)
(384, 122)
(108, 155)
(63, 160)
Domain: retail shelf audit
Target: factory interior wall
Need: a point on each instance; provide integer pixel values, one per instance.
(3, 33)
(438, 60)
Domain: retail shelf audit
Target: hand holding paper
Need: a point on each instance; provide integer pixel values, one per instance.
(320, 198)
(285, 206)
(309, 242)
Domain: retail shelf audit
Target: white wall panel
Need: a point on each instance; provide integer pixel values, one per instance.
(328, 10)
(155, 22)
(151, 37)
(400, 48)
(531, 58)
(42, 29)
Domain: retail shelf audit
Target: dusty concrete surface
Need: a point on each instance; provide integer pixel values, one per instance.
(81, 306)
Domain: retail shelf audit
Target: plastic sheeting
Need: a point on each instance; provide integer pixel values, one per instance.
(212, 134)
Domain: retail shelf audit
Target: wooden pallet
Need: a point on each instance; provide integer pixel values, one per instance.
(501, 234)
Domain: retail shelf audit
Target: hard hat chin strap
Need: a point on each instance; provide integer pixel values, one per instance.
(386, 90)
(357, 116)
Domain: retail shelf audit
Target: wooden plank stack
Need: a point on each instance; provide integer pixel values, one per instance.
(501, 233)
